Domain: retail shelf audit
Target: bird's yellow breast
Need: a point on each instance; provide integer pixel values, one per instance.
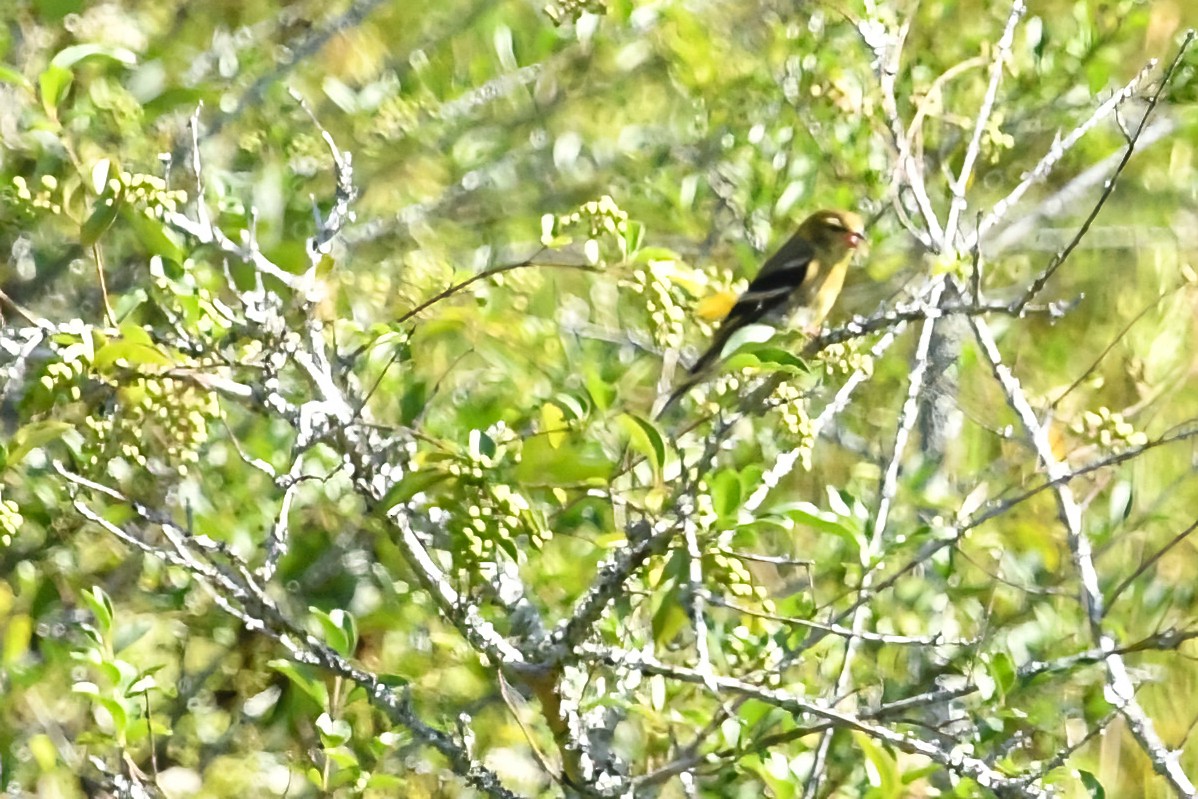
(810, 305)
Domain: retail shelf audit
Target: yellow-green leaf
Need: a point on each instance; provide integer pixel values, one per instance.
(34, 435)
(553, 424)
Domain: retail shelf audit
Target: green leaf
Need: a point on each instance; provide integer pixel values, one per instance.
(134, 347)
(93, 635)
(725, 493)
(600, 390)
(346, 769)
(748, 335)
(136, 334)
(573, 407)
(1092, 785)
(118, 711)
(120, 671)
(1098, 75)
(101, 607)
(333, 732)
(129, 634)
(824, 521)
(105, 211)
(553, 424)
(750, 478)
(138, 730)
(154, 236)
(920, 772)
(34, 435)
(767, 357)
(648, 254)
(141, 685)
(775, 770)
(413, 401)
(304, 678)
(1002, 670)
(174, 97)
(85, 688)
(631, 237)
(412, 484)
(340, 629)
(129, 302)
(389, 783)
(881, 769)
(730, 730)
(481, 445)
(669, 617)
(18, 632)
(583, 462)
(10, 75)
(173, 271)
(326, 265)
(53, 84)
(131, 353)
(100, 172)
(1121, 502)
(44, 751)
(70, 56)
(645, 438)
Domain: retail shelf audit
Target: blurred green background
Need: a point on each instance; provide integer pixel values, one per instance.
(713, 127)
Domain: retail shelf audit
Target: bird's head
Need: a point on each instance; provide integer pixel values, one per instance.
(835, 232)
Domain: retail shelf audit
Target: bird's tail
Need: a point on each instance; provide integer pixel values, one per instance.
(713, 352)
(699, 370)
(686, 385)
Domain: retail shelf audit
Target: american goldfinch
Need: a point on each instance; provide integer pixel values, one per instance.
(796, 287)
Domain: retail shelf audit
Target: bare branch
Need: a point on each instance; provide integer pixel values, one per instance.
(956, 761)
(845, 632)
(697, 605)
(887, 47)
(1023, 232)
(346, 193)
(1147, 564)
(1060, 146)
(873, 548)
(956, 187)
(276, 542)
(1120, 689)
(1109, 186)
(784, 464)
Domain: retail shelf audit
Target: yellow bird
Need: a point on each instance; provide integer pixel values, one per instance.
(796, 287)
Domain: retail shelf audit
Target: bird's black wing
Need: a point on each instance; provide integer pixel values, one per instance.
(781, 275)
(784, 272)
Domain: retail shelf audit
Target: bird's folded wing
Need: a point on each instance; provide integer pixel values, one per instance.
(782, 274)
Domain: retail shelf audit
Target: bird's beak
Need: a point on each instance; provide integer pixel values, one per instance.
(855, 239)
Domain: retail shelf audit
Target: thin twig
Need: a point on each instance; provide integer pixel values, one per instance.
(844, 632)
(1147, 564)
(1118, 337)
(956, 761)
(1057, 151)
(871, 553)
(1120, 688)
(1002, 51)
(1109, 187)
(887, 47)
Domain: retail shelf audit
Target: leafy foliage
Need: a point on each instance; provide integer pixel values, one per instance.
(330, 461)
